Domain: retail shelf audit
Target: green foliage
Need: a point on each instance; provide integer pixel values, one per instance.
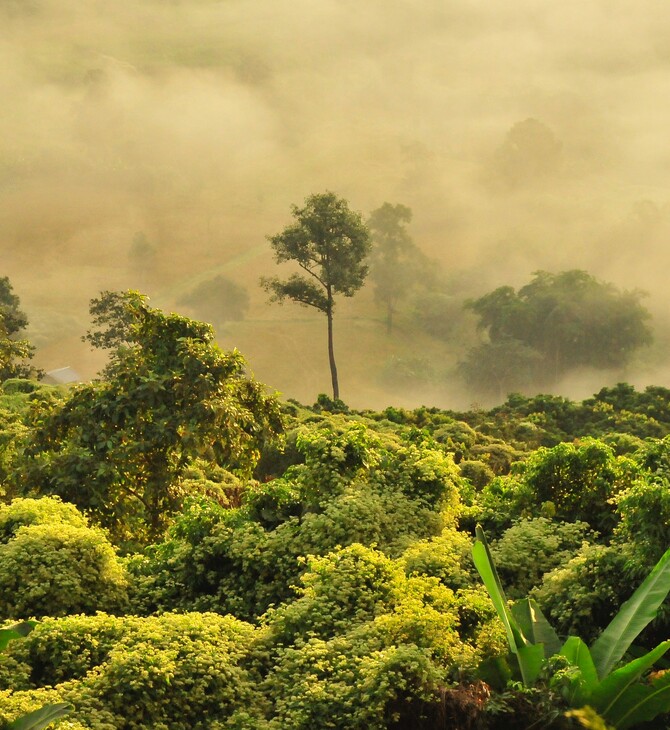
(579, 480)
(12, 319)
(645, 514)
(445, 557)
(118, 447)
(41, 717)
(478, 473)
(14, 352)
(56, 569)
(177, 671)
(533, 547)
(22, 512)
(365, 646)
(616, 692)
(60, 650)
(353, 682)
(564, 320)
(181, 672)
(350, 488)
(581, 596)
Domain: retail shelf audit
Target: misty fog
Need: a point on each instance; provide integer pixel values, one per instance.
(155, 145)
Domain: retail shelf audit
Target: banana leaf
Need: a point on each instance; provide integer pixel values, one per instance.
(535, 626)
(607, 695)
(489, 575)
(578, 654)
(15, 631)
(529, 656)
(642, 703)
(41, 718)
(635, 614)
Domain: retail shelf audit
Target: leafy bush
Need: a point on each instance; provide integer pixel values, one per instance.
(476, 472)
(182, 672)
(582, 596)
(346, 587)
(45, 511)
(352, 488)
(352, 682)
(61, 649)
(645, 518)
(579, 480)
(446, 557)
(533, 547)
(57, 569)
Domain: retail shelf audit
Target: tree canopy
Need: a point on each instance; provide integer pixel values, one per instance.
(396, 263)
(169, 394)
(218, 300)
(15, 352)
(569, 319)
(330, 243)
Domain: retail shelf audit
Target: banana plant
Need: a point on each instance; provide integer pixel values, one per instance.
(44, 716)
(620, 694)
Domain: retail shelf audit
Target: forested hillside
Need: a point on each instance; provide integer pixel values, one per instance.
(199, 554)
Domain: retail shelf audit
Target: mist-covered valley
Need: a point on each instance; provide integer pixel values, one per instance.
(155, 146)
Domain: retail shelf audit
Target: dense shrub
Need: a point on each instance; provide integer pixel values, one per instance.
(645, 518)
(579, 480)
(182, 672)
(352, 682)
(353, 487)
(477, 473)
(346, 587)
(446, 557)
(57, 569)
(45, 511)
(533, 547)
(581, 597)
(61, 649)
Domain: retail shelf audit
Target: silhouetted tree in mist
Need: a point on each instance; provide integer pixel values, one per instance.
(396, 263)
(529, 154)
(218, 300)
(567, 320)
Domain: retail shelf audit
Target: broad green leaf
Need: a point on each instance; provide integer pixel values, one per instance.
(578, 654)
(642, 703)
(535, 626)
(41, 718)
(15, 631)
(635, 614)
(608, 693)
(489, 575)
(531, 658)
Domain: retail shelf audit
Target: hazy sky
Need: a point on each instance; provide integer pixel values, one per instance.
(199, 123)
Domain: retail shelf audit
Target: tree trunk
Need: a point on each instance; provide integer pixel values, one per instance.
(331, 352)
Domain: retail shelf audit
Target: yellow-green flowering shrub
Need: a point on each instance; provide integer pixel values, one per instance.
(58, 569)
(22, 512)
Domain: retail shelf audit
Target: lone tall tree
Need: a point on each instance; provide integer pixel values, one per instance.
(329, 243)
